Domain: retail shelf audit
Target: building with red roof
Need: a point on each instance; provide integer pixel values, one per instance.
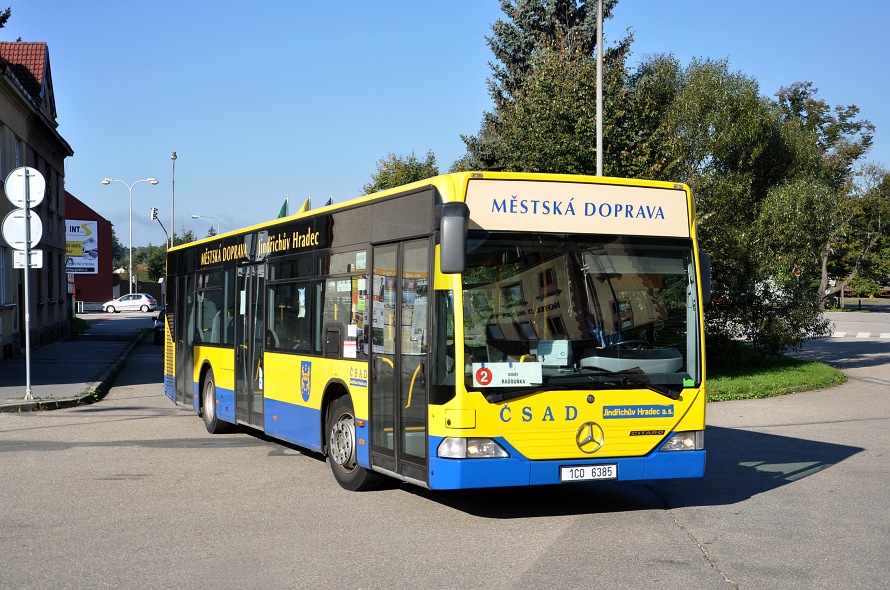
(29, 137)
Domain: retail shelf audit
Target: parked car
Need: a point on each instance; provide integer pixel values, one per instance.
(159, 327)
(131, 302)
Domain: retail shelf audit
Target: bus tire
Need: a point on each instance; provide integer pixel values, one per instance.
(208, 407)
(341, 447)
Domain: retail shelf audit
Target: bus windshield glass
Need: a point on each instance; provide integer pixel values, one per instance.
(553, 311)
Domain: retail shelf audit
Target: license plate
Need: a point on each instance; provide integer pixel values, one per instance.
(588, 472)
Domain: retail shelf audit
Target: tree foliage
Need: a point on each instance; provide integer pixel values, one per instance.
(545, 76)
(783, 201)
(858, 256)
(119, 252)
(153, 259)
(393, 171)
(836, 142)
(568, 26)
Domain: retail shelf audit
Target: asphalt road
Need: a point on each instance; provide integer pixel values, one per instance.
(133, 493)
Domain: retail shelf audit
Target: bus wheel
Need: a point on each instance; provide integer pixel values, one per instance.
(342, 449)
(208, 407)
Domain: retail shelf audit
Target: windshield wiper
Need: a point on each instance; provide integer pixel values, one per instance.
(627, 376)
(508, 395)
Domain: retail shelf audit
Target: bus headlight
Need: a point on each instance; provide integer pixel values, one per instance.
(694, 440)
(471, 448)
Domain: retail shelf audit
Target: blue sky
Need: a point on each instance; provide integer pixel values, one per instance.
(295, 98)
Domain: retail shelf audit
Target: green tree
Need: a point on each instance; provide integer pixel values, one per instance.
(544, 58)
(534, 25)
(549, 126)
(774, 180)
(859, 257)
(186, 237)
(720, 136)
(836, 142)
(4, 16)
(119, 252)
(155, 260)
(155, 257)
(393, 171)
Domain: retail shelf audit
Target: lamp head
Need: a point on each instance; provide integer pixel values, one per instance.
(153, 180)
(196, 216)
(106, 181)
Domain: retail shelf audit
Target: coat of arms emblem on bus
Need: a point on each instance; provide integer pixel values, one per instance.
(305, 379)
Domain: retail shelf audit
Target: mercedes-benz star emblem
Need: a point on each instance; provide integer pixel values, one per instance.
(590, 437)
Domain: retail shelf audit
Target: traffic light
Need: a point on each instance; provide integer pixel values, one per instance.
(154, 213)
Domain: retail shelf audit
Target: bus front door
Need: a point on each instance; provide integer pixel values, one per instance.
(401, 283)
(249, 333)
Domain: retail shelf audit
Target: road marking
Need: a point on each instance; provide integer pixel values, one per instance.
(862, 335)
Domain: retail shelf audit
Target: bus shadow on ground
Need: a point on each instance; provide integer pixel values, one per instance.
(741, 464)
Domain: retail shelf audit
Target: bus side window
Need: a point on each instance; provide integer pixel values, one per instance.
(207, 314)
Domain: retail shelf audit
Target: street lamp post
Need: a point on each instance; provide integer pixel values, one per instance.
(208, 217)
(130, 188)
(173, 200)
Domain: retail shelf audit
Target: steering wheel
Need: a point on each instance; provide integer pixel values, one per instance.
(632, 344)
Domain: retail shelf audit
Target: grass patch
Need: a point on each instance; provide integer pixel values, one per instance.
(752, 374)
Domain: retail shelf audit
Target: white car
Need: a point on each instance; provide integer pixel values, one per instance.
(131, 302)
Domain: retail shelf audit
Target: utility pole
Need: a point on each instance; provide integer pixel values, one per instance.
(599, 87)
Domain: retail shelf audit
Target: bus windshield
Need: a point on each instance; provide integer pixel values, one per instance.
(550, 311)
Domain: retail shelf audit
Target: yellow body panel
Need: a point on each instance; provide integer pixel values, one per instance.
(221, 360)
(283, 378)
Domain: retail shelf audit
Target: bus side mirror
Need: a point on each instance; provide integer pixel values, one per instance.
(453, 221)
(704, 261)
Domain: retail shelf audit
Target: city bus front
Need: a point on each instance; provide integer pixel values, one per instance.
(578, 356)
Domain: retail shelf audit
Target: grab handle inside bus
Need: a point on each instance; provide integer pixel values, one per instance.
(453, 219)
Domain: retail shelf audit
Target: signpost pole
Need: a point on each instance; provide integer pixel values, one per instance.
(27, 271)
(24, 196)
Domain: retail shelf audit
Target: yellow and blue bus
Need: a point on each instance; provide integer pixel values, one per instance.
(469, 330)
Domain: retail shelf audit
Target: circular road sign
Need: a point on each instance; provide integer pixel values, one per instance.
(14, 229)
(15, 186)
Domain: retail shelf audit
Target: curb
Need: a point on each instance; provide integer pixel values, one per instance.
(92, 393)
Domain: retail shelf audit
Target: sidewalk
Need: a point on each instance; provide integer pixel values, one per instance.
(75, 371)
